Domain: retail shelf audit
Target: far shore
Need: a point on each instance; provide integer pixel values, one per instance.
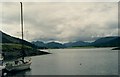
(81, 47)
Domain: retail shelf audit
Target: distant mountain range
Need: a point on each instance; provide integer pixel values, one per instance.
(112, 41)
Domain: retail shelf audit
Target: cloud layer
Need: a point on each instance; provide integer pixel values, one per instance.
(61, 21)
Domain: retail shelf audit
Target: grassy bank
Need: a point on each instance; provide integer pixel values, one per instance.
(13, 51)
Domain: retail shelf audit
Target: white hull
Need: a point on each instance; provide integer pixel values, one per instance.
(18, 67)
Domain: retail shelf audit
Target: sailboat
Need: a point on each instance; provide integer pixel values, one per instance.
(22, 63)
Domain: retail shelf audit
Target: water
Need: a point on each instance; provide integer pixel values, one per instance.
(92, 61)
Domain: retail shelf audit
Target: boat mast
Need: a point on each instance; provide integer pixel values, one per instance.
(23, 53)
(21, 19)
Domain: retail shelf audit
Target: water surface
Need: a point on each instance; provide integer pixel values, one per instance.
(89, 61)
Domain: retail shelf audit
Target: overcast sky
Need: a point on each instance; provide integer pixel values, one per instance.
(63, 22)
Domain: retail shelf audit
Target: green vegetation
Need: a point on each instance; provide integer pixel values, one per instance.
(8, 47)
(13, 51)
(12, 47)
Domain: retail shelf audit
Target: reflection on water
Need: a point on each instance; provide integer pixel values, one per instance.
(93, 61)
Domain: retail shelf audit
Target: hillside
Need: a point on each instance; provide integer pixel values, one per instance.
(10, 39)
(107, 42)
(12, 47)
(13, 51)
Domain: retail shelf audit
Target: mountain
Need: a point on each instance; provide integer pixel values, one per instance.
(10, 39)
(55, 45)
(43, 45)
(40, 44)
(113, 41)
(76, 44)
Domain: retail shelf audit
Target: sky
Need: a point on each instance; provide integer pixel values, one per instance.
(61, 21)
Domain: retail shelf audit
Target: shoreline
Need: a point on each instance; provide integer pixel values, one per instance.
(80, 48)
(40, 54)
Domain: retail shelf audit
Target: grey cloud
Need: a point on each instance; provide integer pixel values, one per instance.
(62, 21)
